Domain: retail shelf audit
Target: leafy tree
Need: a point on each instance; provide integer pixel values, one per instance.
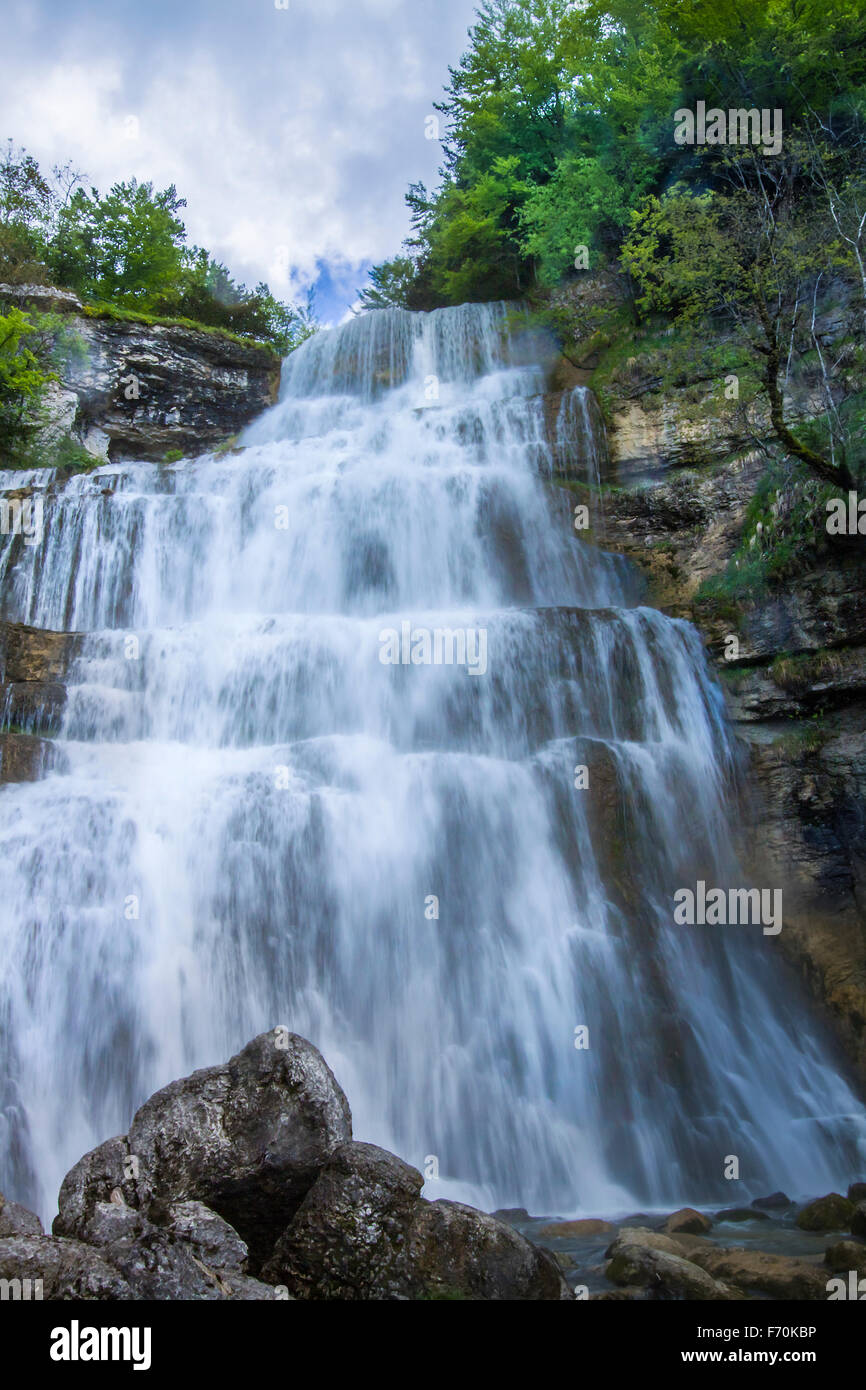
(750, 256)
(125, 248)
(390, 284)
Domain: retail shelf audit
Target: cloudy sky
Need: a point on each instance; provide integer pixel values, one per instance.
(291, 132)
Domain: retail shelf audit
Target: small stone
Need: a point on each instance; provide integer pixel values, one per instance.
(741, 1214)
(775, 1202)
(830, 1213)
(511, 1214)
(687, 1222)
(575, 1229)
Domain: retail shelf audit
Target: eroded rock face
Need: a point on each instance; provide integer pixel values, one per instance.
(795, 689)
(130, 390)
(33, 666)
(25, 758)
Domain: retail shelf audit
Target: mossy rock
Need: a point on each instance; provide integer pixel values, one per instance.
(830, 1213)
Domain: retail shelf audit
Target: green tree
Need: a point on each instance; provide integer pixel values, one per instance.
(126, 248)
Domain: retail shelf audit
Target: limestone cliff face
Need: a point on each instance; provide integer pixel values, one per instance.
(795, 689)
(130, 390)
(33, 667)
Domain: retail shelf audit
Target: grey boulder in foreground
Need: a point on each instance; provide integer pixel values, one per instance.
(242, 1181)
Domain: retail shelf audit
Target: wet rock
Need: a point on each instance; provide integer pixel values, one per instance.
(512, 1214)
(109, 1222)
(647, 1239)
(363, 1232)
(779, 1276)
(666, 1275)
(104, 1170)
(16, 1220)
(349, 1238)
(247, 1138)
(777, 1201)
(25, 758)
(845, 1255)
(576, 1229)
(67, 1269)
(857, 1192)
(830, 1213)
(742, 1214)
(458, 1252)
(32, 655)
(157, 1266)
(212, 1239)
(687, 1222)
(33, 665)
(245, 1289)
(857, 1225)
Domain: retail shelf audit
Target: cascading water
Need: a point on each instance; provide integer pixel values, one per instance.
(256, 812)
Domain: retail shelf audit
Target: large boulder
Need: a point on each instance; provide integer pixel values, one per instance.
(348, 1240)
(857, 1225)
(458, 1252)
(364, 1232)
(246, 1138)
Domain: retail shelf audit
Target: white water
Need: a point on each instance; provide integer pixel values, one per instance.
(280, 804)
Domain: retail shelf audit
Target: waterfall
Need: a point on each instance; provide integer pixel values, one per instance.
(274, 805)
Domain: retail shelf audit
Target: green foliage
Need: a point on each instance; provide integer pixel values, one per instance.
(582, 204)
(784, 532)
(390, 284)
(126, 252)
(22, 381)
(559, 132)
(25, 212)
(126, 247)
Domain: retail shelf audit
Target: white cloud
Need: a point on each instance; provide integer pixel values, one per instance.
(295, 129)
